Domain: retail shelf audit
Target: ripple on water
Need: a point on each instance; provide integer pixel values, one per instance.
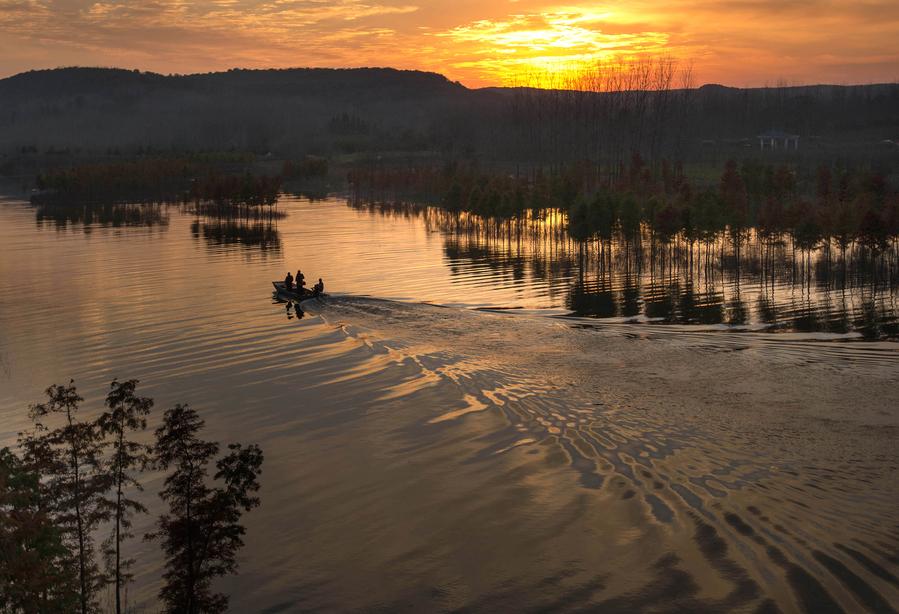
(420, 457)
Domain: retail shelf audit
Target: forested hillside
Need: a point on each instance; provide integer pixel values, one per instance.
(94, 111)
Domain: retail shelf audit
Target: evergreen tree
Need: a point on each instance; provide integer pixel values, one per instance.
(72, 457)
(36, 572)
(125, 414)
(201, 534)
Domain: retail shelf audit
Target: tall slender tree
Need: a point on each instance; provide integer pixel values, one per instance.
(125, 415)
(202, 533)
(73, 454)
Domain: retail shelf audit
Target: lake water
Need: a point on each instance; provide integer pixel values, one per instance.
(486, 418)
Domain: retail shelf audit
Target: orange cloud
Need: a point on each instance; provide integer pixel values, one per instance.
(480, 42)
(552, 42)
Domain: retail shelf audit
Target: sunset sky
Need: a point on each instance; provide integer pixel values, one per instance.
(478, 42)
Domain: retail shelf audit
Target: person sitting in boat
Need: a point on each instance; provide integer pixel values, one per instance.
(301, 282)
(318, 288)
(288, 282)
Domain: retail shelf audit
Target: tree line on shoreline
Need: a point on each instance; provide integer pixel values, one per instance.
(837, 205)
(171, 179)
(157, 180)
(70, 478)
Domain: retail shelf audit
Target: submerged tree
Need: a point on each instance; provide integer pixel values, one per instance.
(201, 534)
(36, 571)
(70, 461)
(126, 414)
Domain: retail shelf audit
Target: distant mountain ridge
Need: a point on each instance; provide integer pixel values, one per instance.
(77, 79)
(346, 110)
(304, 81)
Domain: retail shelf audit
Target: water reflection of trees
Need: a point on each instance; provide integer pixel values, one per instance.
(245, 227)
(256, 235)
(758, 281)
(107, 215)
(231, 211)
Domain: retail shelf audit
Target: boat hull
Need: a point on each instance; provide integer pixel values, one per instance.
(282, 291)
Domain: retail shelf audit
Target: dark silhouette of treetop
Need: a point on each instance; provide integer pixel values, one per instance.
(72, 477)
(201, 534)
(126, 414)
(72, 466)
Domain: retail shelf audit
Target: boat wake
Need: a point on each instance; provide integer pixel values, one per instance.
(730, 473)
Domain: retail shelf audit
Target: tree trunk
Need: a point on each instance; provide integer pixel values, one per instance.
(118, 523)
(82, 571)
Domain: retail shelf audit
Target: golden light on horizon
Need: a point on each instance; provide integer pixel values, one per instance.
(478, 43)
(549, 49)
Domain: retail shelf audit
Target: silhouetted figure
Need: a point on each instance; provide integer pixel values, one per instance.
(288, 281)
(318, 288)
(301, 282)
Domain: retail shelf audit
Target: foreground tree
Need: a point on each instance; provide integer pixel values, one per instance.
(36, 573)
(69, 458)
(125, 414)
(201, 534)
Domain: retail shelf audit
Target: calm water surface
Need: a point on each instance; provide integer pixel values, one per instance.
(424, 456)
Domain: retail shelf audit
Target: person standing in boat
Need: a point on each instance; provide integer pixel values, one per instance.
(301, 282)
(288, 281)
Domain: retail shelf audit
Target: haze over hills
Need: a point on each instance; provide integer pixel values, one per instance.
(338, 111)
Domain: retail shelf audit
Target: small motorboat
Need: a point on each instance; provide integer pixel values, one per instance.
(282, 291)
